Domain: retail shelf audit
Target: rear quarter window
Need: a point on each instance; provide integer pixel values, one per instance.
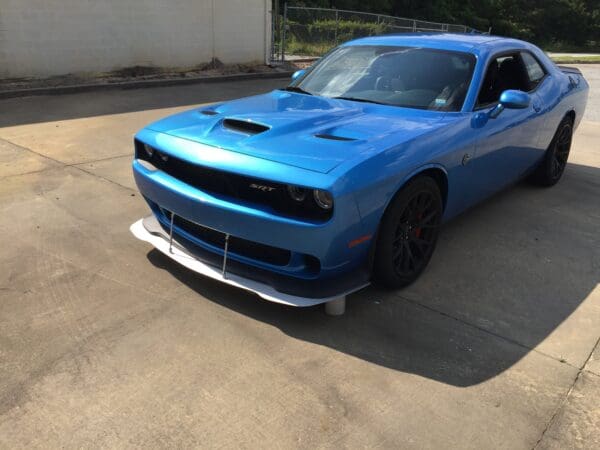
(535, 71)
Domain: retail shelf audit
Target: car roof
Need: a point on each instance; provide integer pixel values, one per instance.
(466, 42)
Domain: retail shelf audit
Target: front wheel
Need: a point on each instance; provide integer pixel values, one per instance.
(408, 233)
(555, 160)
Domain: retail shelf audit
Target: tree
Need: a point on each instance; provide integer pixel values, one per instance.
(544, 22)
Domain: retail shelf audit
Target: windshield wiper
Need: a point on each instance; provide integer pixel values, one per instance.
(364, 100)
(296, 89)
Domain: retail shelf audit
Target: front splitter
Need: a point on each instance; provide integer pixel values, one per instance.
(161, 243)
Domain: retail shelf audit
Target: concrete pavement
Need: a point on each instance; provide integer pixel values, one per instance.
(104, 343)
(591, 72)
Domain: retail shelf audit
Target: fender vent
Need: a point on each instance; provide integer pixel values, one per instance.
(241, 126)
(331, 137)
(209, 112)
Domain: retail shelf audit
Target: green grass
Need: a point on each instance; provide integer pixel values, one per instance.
(318, 37)
(576, 59)
(308, 48)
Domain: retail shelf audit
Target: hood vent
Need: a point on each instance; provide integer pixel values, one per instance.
(241, 126)
(209, 112)
(331, 137)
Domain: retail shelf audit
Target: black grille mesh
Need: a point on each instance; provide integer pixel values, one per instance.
(272, 195)
(239, 246)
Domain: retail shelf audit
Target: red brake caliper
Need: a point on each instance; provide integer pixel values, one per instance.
(418, 230)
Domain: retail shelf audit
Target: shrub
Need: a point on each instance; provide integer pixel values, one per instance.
(319, 36)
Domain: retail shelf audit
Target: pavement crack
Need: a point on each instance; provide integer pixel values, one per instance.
(41, 155)
(587, 360)
(561, 405)
(102, 178)
(557, 410)
(47, 169)
(565, 398)
(108, 158)
(62, 165)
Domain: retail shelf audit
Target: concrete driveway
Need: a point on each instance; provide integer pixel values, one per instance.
(105, 343)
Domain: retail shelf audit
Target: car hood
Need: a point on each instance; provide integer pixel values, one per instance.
(310, 132)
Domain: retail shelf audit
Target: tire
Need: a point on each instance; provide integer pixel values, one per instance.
(408, 233)
(553, 165)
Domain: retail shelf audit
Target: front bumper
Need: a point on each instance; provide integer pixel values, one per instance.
(328, 241)
(324, 261)
(149, 230)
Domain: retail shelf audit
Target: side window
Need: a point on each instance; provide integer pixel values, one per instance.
(535, 72)
(503, 72)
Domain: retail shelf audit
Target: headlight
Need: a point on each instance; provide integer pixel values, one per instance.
(297, 193)
(149, 150)
(323, 199)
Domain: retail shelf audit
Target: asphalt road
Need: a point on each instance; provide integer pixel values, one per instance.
(105, 343)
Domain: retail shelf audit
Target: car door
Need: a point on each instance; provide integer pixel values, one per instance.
(505, 146)
(540, 85)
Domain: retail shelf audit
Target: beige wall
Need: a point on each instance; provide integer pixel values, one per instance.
(53, 37)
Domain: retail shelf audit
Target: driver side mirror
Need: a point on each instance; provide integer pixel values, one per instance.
(511, 99)
(297, 74)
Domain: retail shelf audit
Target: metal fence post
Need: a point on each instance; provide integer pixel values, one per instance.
(414, 26)
(273, 18)
(285, 8)
(337, 23)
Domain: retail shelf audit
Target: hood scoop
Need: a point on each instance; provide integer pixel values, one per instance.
(332, 137)
(209, 112)
(245, 127)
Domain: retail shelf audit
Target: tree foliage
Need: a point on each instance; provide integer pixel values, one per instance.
(551, 23)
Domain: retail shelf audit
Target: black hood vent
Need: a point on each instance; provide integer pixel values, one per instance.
(332, 137)
(209, 112)
(241, 126)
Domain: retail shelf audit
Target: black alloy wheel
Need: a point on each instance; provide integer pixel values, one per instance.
(562, 147)
(408, 233)
(557, 154)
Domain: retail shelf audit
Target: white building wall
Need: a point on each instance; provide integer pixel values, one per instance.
(53, 37)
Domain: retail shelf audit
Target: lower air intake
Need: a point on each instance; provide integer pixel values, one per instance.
(249, 249)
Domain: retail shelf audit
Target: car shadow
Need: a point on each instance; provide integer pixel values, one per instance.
(505, 275)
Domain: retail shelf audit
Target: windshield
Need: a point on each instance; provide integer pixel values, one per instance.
(400, 76)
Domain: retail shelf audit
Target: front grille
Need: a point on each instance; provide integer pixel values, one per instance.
(265, 194)
(249, 249)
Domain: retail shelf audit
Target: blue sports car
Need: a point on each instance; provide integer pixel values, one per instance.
(310, 192)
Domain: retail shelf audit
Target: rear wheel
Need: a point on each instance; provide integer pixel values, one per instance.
(557, 154)
(408, 233)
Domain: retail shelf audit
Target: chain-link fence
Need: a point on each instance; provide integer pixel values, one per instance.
(310, 32)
